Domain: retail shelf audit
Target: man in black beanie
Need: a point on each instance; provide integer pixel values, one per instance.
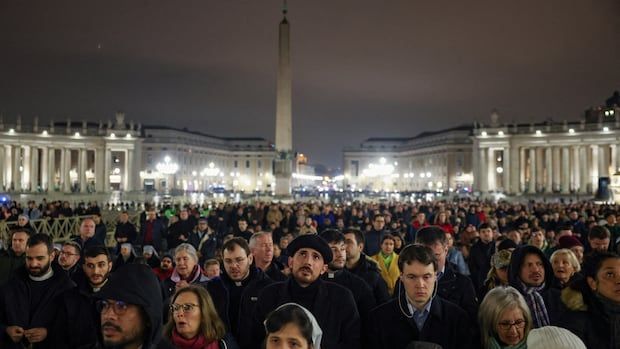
(131, 305)
(331, 304)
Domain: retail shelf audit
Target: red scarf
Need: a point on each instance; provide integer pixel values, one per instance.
(198, 342)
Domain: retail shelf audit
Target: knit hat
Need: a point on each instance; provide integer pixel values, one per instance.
(501, 259)
(312, 241)
(569, 241)
(551, 337)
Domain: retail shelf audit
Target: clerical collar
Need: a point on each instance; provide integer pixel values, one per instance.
(44, 277)
(332, 274)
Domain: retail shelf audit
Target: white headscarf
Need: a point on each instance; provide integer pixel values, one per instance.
(317, 333)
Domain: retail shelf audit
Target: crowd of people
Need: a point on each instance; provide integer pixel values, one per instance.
(441, 274)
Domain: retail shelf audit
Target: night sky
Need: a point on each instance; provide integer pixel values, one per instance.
(361, 68)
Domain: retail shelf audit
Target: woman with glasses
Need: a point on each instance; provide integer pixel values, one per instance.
(193, 322)
(505, 319)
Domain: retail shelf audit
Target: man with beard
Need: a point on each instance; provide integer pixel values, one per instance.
(29, 302)
(166, 267)
(130, 310)
(69, 258)
(239, 285)
(363, 266)
(531, 273)
(336, 272)
(261, 246)
(15, 257)
(332, 305)
(77, 317)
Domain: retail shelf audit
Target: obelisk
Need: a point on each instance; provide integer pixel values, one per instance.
(283, 166)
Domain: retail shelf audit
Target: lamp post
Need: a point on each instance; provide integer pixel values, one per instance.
(167, 168)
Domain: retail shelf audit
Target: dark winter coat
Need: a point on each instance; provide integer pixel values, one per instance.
(274, 271)
(458, 289)
(362, 294)
(241, 322)
(15, 306)
(390, 325)
(368, 270)
(76, 323)
(9, 263)
(480, 261)
(333, 308)
(550, 295)
(587, 318)
(373, 241)
(159, 230)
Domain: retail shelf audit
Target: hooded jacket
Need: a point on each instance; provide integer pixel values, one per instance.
(137, 284)
(550, 295)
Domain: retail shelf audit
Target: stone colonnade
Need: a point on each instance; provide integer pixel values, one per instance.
(30, 168)
(547, 168)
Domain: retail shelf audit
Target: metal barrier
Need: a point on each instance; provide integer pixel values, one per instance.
(63, 229)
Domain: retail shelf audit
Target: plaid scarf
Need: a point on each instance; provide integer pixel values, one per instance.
(537, 305)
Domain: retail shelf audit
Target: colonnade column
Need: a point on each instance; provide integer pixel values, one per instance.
(66, 169)
(540, 167)
(106, 169)
(26, 176)
(82, 170)
(491, 170)
(484, 184)
(51, 184)
(575, 183)
(99, 157)
(584, 168)
(556, 168)
(8, 166)
(34, 169)
(44, 168)
(522, 167)
(603, 163)
(17, 154)
(565, 171)
(594, 165)
(129, 170)
(550, 170)
(514, 170)
(532, 183)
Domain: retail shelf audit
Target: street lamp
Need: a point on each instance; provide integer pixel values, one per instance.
(212, 171)
(167, 168)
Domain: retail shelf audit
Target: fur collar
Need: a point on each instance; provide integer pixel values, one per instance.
(573, 299)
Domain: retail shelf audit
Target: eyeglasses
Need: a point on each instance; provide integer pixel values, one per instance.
(186, 308)
(119, 307)
(507, 325)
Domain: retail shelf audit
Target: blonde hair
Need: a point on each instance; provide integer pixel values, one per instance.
(494, 304)
(572, 259)
(211, 326)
